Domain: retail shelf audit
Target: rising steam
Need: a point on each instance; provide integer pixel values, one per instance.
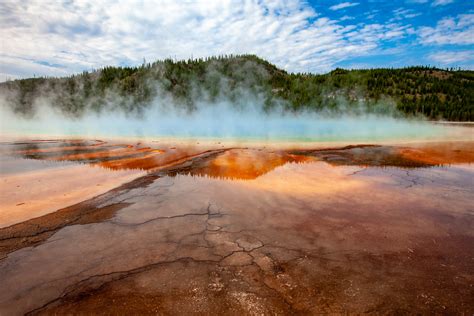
(218, 120)
(244, 117)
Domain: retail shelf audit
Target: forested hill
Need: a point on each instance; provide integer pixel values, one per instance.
(435, 93)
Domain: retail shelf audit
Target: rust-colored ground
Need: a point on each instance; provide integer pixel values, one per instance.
(441, 153)
(212, 230)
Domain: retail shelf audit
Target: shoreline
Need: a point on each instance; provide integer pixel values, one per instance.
(458, 132)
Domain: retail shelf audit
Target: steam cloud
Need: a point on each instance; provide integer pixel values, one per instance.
(219, 120)
(243, 118)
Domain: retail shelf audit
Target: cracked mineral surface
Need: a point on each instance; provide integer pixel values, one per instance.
(216, 229)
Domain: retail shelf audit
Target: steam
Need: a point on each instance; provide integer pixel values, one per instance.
(218, 120)
(243, 116)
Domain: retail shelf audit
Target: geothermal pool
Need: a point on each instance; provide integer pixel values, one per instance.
(182, 226)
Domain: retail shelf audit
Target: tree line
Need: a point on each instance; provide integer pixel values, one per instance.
(431, 92)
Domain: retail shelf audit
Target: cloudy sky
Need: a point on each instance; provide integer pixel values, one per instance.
(54, 38)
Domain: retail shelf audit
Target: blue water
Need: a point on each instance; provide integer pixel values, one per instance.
(220, 122)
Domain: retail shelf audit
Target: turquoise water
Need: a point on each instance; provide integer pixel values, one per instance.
(374, 129)
(219, 123)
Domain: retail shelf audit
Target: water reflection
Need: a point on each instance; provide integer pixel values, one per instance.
(235, 163)
(348, 226)
(412, 156)
(377, 232)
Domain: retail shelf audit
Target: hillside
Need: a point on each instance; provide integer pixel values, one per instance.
(434, 93)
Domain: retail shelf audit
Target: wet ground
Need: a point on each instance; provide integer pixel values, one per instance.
(214, 229)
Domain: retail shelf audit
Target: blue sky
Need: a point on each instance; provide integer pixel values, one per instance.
(54, 38)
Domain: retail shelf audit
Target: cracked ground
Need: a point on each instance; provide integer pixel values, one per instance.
(356, 229)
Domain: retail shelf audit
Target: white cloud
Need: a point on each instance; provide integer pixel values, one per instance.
(346, 18)
(441, 2)
(452, 57)
(374, 33)
(416, 1)
(37, 35)
(343, 5)
(450, 30)
(434, 3)
(401, 14)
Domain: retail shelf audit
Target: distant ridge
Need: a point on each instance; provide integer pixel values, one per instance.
(431, 92)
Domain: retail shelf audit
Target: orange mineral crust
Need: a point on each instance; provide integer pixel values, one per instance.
(219, 229)
(441, 153)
